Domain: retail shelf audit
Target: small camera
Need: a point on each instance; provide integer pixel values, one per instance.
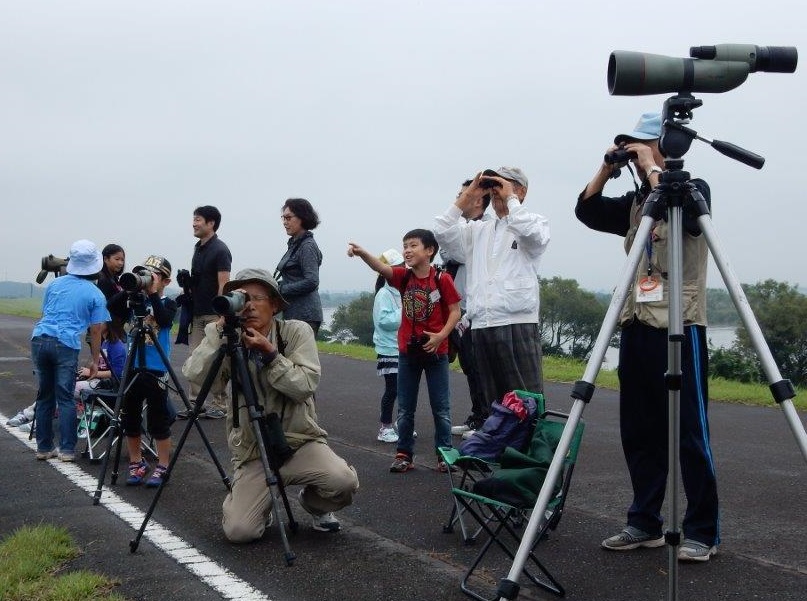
(230, 303)
(620, 155)
(414, 348)
(137, 282)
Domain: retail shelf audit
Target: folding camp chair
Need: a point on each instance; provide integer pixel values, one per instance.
(465, 470)
(96, 424)
(494, 513)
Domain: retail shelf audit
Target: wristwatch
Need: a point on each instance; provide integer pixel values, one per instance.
(654, 169)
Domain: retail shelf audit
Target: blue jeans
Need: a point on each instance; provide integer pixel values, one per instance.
(409, 371)
(56, 366)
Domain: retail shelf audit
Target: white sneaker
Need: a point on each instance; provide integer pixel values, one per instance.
(23, 417)
(387, 434)
(460, 430)
(467, 434)
(321, 522)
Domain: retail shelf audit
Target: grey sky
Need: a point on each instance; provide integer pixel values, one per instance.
(120, 118)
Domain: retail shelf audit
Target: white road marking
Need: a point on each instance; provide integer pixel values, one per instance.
(227, 584)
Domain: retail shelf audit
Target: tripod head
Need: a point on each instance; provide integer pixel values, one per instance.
(676, 138)
(136, 301)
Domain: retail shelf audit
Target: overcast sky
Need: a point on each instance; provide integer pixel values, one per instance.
(119, 118)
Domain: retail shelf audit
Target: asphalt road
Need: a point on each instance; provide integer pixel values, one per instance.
(392, 545)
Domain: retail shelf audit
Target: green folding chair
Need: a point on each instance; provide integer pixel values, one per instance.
(510, 494)
(465, 470)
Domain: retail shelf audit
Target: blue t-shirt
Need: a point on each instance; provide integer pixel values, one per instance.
(71, 304)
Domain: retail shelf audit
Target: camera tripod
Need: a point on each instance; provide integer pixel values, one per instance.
(136, 352)
(674, 194)
(268, 431)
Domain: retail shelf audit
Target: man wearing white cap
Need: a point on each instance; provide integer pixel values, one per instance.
(643, 356)
(71, 304)
(501, 257)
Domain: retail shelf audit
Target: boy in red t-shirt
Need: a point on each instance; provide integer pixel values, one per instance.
(430, 310)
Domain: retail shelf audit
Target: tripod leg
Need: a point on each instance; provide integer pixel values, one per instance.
(582, 392)
(198, 406)
(781, 389)
(191, 422)
(115, 431)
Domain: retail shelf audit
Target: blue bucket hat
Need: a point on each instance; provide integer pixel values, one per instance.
(648, 128)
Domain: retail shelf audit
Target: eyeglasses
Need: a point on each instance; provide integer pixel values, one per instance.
(288, 217)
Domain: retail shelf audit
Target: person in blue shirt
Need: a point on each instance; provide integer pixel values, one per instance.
(148, 379)
(386, 321)
(71, 304)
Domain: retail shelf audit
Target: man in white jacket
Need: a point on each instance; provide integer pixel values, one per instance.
(501, 257)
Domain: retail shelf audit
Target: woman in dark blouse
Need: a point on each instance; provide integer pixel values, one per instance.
(298, 270)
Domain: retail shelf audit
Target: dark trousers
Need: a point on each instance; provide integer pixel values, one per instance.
(148, 387)
(508, 358)
(465, 355)
(643, 421)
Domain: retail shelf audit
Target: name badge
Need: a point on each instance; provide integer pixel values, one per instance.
(434, 296)
(649, 289)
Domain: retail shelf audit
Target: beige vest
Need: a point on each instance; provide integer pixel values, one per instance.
(693, 301)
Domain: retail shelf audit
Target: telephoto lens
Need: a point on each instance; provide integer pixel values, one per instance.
(135, 282)
(230, 303)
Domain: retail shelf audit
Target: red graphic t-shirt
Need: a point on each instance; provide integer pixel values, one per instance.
(425, 304)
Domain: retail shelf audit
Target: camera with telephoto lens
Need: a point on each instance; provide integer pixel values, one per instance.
(137, 282)
(230, 303)
(620, 155)
(183, 278)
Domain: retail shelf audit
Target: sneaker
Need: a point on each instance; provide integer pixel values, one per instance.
(403, 463)
(157, 476)
(25, 427)
(692, 550)
(632, 538)
(213, 414)
(467, 434)
(444, 468)
(21, 418)
(67, 456)
(137, 471)
(185, 414)
(43, 455)
(460, 430)
(321, 522)
(387, 434)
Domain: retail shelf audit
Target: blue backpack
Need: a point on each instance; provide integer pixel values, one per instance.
(501, 429)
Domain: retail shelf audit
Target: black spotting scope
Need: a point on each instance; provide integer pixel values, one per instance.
(718, 68)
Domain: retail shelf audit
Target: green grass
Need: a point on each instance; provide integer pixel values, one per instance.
(32, 562)
(22, 307)
(563, 369)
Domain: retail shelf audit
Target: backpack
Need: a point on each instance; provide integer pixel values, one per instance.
(502, 429)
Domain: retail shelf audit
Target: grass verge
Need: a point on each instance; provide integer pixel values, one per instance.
(556, 369)
(563, 369)
(32, 562)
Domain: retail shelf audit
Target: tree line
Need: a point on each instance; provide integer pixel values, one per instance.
(571, 319)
